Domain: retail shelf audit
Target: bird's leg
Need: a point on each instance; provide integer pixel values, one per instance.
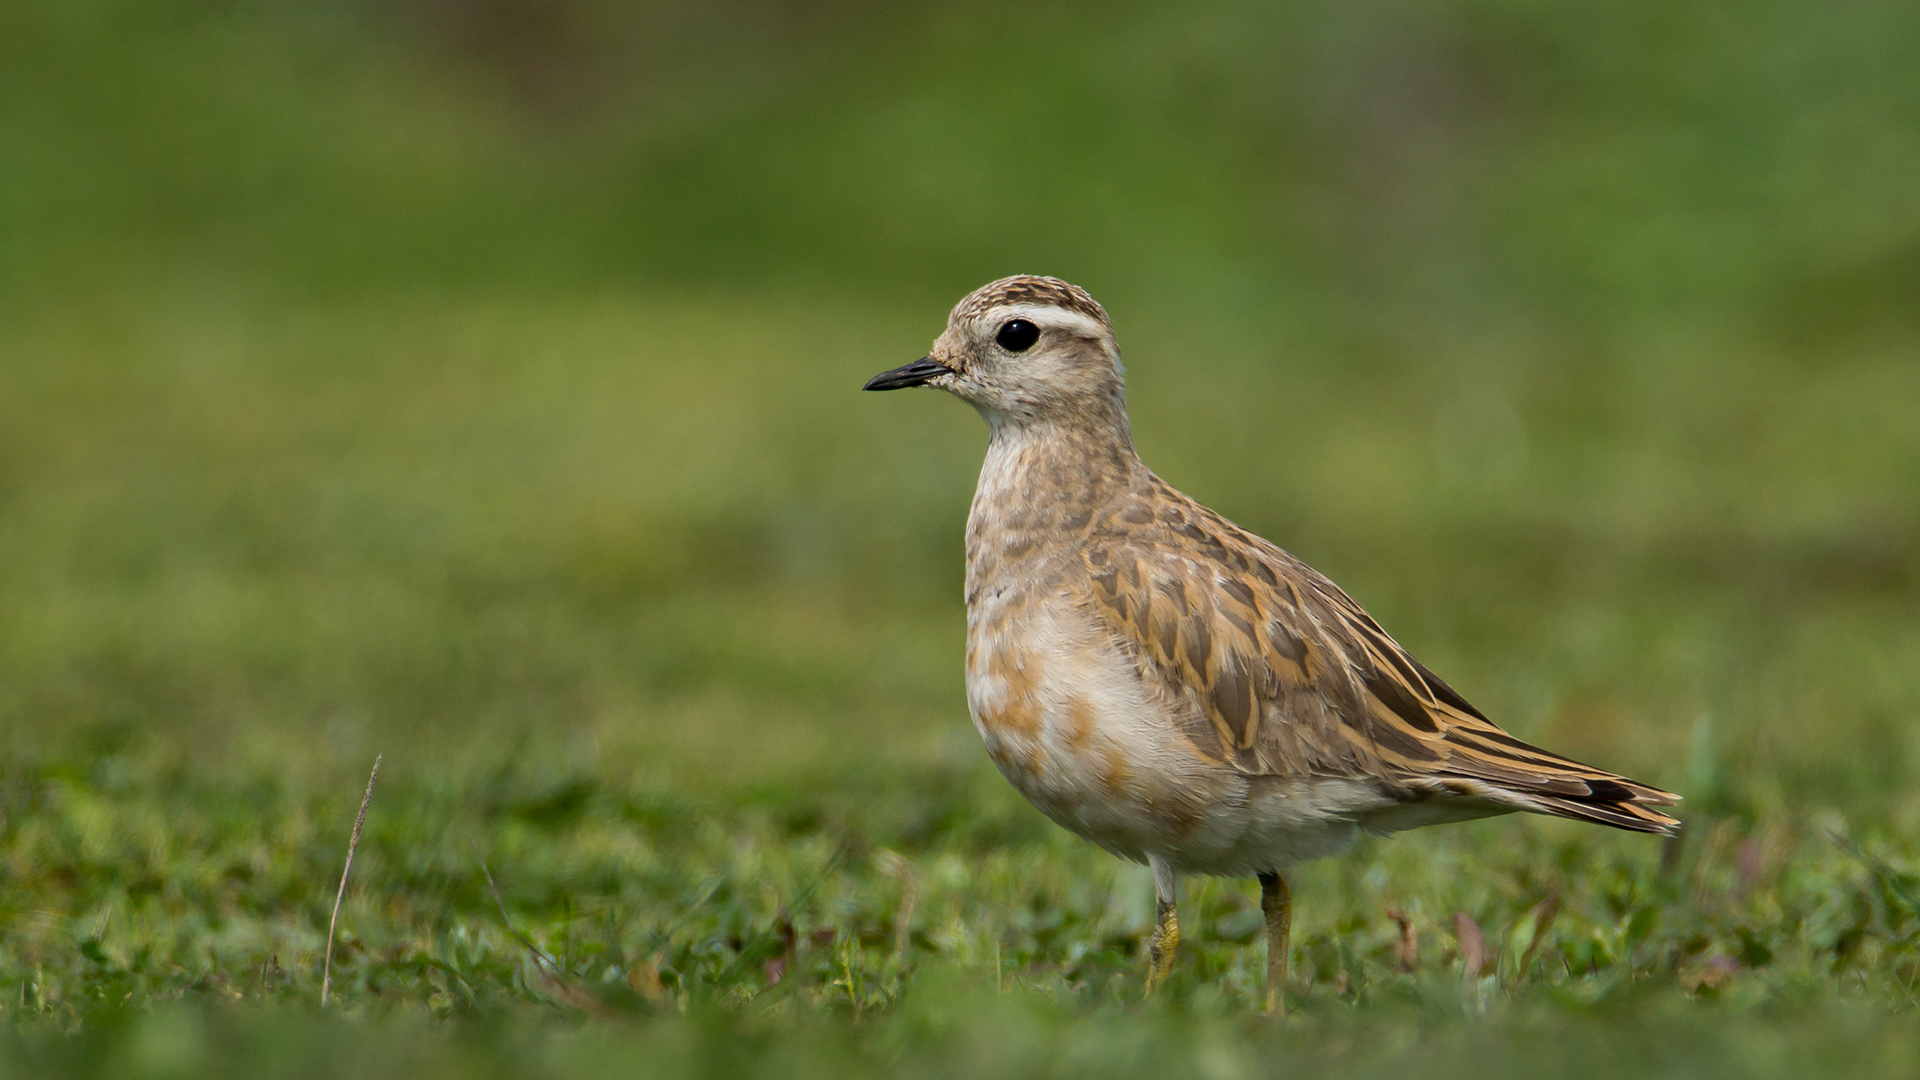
(1166, 922)
(1166, 940)
(1276, 903)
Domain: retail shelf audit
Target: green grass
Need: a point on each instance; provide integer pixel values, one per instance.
(679, 654)
(475, 384)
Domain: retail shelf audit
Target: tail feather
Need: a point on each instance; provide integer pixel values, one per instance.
(1632, 815)
(1529, 778)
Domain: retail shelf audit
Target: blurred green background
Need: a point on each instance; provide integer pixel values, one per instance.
(476, 383)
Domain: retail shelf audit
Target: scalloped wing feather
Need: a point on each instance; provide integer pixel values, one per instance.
(1278, 672)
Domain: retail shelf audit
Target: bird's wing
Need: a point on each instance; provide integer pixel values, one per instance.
(1276, 671)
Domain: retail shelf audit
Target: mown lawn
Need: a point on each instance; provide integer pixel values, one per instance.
(646, 606)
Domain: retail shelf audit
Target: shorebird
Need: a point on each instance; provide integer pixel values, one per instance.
(1172, 687)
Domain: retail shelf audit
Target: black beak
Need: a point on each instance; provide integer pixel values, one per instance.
(914, 374)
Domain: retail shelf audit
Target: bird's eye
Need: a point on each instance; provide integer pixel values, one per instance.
(1017, 335)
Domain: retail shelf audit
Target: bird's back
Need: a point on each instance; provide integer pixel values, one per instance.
(1278, 672)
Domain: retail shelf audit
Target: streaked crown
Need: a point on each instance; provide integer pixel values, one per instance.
(1029, 290)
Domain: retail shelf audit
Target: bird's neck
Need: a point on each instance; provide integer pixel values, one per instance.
(1042, 484)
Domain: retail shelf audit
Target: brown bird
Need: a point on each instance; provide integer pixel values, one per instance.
(1170, 686)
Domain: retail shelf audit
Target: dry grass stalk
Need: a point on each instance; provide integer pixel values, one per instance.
(353, 845)
(1474, 956)
(899, 867)
(1406, 951)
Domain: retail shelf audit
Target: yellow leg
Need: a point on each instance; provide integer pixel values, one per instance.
(1166, 923)
(1276, 903)
(1166, 941)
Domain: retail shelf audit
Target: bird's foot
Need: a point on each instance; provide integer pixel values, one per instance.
(1166, 940)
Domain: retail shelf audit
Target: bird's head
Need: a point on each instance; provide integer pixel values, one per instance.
(1027, 352)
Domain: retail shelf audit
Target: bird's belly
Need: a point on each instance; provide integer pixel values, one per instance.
(1068, 720)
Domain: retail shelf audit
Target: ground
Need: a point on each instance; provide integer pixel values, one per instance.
(475, 385)
(662, 627)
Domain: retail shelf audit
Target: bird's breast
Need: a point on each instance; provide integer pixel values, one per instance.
(1068, 721)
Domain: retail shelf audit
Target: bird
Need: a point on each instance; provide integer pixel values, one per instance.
(1172, 687)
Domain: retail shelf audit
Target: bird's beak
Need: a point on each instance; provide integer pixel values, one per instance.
(917, 373)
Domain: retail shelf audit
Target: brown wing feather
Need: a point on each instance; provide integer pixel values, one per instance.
(1282, 673)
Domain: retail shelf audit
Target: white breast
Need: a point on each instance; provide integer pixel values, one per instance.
(1069, 722)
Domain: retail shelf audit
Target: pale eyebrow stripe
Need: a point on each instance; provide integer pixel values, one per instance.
(1048, 316)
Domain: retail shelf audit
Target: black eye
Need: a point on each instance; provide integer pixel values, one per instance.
(1017, 335)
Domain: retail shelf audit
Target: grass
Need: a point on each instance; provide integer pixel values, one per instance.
(474, 385)
(680, 655)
